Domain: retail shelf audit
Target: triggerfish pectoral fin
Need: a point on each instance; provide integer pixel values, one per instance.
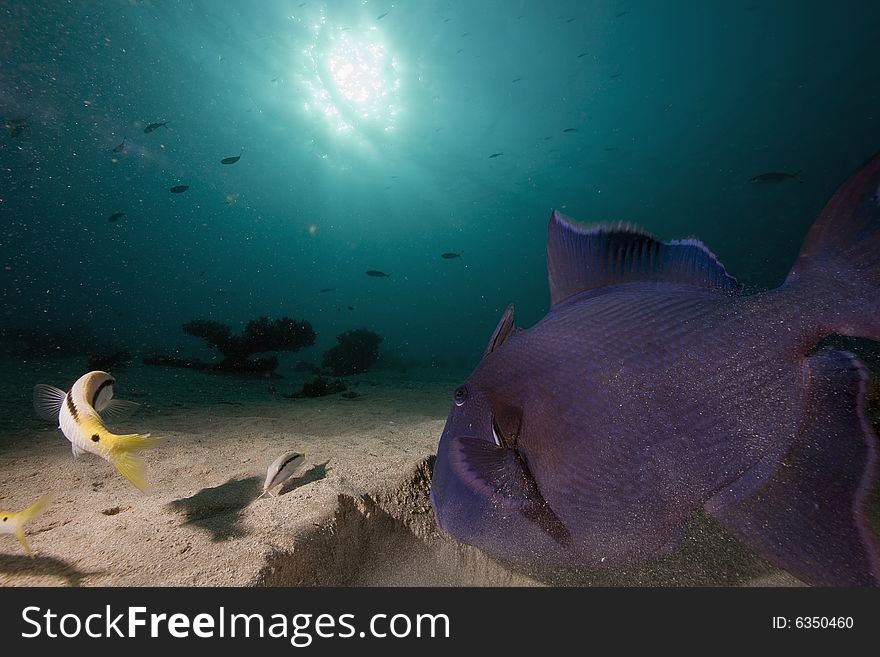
(501, 474)
(809, 515)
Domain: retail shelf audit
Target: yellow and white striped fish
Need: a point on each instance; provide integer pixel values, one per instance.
(13, 523)
(80, 415)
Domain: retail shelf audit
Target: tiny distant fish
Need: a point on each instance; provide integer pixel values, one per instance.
(16, 126)
(116, 216)
(610, 148)
(326, 289)
(13, 523)
(570, 130)
(459, 51)
(156, 126)
(381, 16)
(119, 148)
(548, 138)
(282, 469)
(774, 177)
(450, 256)
(465, 34)
(570, 20)
(445, 20)
(583, 54)
(351, 307)
(495, 155)
(623, 13)
(274, 79)
(376, 273)
(616, 75)
(516, 79)
(179, 189)
(81, 413)
(230, 160)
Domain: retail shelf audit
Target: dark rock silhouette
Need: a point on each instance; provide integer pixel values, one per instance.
(259, 336)
(320, 386)
(356, 351)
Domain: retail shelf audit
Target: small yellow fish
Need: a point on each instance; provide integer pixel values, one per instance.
(13, 523)
(80, 415)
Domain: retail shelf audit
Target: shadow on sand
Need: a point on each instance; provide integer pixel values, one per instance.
(313, 474)
(20, 564)
(218, 509)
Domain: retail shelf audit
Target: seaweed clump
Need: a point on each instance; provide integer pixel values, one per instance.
(355, 351)
(259, 336)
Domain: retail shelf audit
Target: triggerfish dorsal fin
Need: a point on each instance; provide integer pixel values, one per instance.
(581, 258)
(502, 475)
(48, 401)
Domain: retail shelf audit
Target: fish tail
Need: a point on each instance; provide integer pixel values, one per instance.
(838, 268)
(34, 509)
(19, 534)
(134, 442)
(26, 516)
(130, 467)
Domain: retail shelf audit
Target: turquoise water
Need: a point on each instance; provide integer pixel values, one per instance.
(366, 131)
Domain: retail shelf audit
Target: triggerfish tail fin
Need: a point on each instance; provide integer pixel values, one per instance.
(26, 516)
(840, 257)
(128, 465)
(809, 514)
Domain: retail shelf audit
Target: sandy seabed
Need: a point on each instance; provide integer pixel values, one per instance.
(359, 515)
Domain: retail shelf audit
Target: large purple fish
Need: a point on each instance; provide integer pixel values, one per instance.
(653, 388)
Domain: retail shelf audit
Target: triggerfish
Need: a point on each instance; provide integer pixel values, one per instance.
(13, 523)
(80, 415)
(654, 389)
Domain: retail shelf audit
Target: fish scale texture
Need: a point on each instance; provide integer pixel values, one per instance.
(669, 394)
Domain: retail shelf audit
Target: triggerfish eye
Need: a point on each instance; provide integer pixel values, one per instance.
(461, 393)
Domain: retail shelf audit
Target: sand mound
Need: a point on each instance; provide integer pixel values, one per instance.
(359, 515)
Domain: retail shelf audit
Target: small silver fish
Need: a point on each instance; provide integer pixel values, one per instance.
(282, 469)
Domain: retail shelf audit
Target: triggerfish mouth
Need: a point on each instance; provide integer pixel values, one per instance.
(80, 415)
(654, 388)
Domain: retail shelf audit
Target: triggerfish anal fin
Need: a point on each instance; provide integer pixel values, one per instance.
(501, 474)
(809, 516)
(581, 258)
(47, 401)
